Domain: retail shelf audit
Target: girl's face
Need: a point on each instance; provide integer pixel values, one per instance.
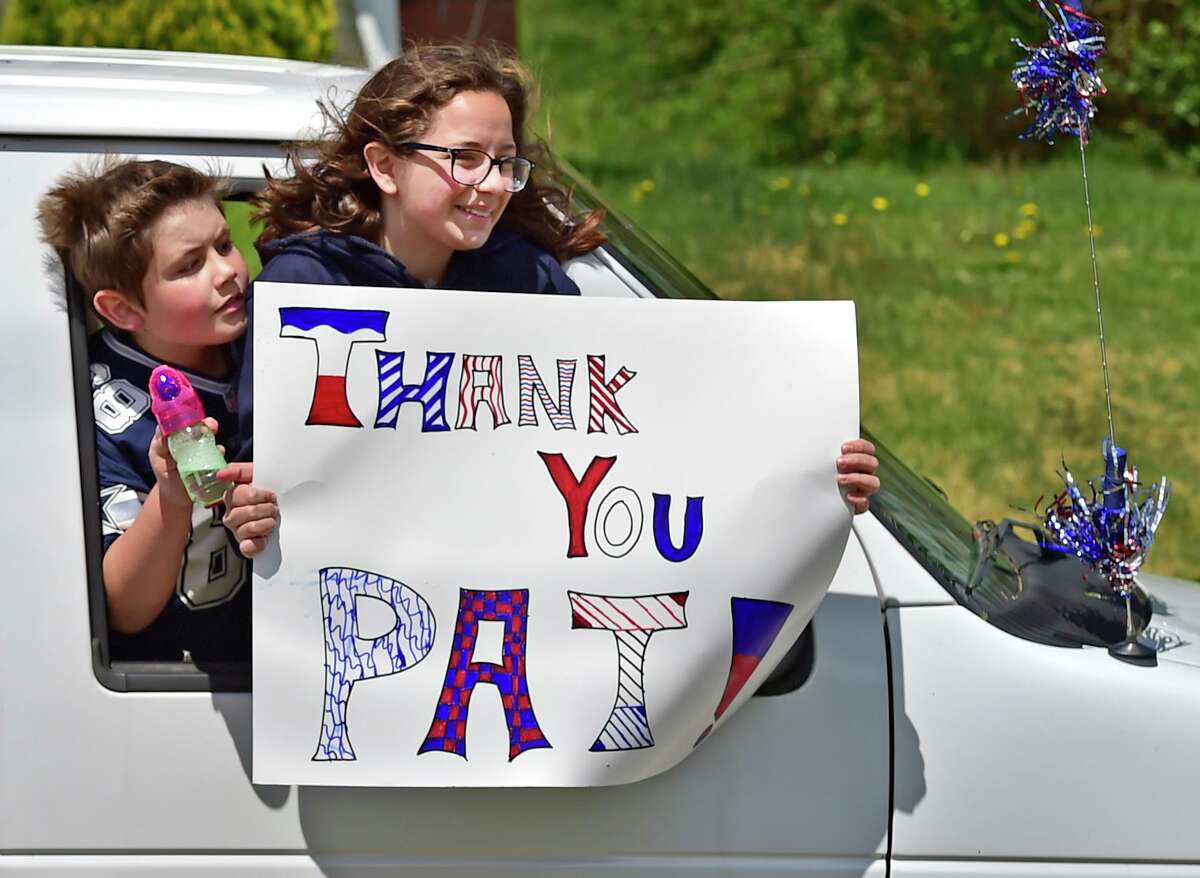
(432, 215)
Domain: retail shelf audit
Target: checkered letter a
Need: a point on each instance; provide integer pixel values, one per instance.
(448, 732)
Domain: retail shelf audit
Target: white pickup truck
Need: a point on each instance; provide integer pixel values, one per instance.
(951, 710)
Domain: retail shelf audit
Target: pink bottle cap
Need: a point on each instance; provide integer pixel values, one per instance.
(173, 400)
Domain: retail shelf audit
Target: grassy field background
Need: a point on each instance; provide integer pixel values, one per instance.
(977, 329)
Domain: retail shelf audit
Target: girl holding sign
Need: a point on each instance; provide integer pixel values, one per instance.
(427, 182)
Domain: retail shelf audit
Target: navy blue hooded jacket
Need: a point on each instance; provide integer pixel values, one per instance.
(508, 262)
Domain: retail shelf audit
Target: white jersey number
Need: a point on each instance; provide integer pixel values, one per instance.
(213, 569)
(116, 405)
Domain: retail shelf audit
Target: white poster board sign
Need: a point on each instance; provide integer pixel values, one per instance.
(533, 540)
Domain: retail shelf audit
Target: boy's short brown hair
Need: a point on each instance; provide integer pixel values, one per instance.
(99, 219)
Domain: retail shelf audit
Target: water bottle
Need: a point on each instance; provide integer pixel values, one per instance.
(180, 416)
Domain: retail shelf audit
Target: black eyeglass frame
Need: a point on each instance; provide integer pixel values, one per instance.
(454, 152)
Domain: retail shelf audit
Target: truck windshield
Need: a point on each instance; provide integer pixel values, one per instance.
(635, 249)
(996, 572)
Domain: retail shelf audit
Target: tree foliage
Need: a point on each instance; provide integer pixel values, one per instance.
(301, 29)
(774, 81)
(1154, 76)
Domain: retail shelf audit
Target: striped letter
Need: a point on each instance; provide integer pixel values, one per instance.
(632, 620)
(448, 732)
(430, 393)
(350, 658)
(577, 494)
(604, 397)
(481, 382)
(693, 527)
(334, 331)
(531, 382)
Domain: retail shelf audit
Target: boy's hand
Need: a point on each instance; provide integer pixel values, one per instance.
(856, 473)
(170, 487)
(251, 513)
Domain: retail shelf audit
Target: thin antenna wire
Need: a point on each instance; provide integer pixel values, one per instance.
(1087, 199)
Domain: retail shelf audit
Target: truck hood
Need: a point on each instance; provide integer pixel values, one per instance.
(1174, 628)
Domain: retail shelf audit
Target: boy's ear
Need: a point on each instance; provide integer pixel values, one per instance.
(383, 166)
(117, 310)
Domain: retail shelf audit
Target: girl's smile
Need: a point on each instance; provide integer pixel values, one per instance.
(478, 213)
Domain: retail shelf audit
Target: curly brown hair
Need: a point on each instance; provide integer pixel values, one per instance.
(99, 218)
(335, 192)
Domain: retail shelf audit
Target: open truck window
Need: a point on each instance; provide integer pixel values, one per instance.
(213, 572)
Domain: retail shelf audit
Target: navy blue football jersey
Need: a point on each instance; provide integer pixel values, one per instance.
(209, 616)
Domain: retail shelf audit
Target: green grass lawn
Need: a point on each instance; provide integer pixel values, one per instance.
(977, 327)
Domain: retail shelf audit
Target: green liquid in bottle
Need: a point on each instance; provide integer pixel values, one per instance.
(198, 460)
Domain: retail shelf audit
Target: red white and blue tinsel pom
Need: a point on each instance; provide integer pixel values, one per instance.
(1112, 530)
(1058, 80)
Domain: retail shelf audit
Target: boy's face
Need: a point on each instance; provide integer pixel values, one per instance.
(193, 292)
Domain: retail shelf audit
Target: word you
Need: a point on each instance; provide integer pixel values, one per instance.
(622, 502)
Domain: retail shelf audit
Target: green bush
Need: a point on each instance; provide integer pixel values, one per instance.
(859, 76)
(301, 29)
(1152, 76)
(775, 81)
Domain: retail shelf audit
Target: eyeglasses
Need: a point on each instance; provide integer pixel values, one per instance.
(470, 167)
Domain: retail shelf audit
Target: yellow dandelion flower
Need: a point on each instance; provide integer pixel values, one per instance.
(840, 219)
(779, 184)
(922, 190)
(1096, 230)
(1000, 239)
(1029, 209)
(1012, 257)
(641, 190)
(1028, 226)
(879, 202)
(1020, 233)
